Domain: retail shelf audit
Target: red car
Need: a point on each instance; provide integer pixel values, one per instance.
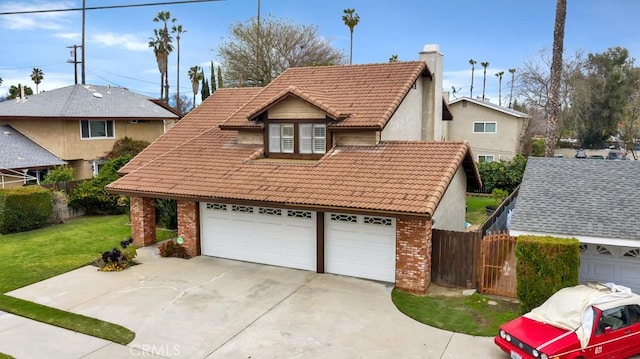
(585, 321)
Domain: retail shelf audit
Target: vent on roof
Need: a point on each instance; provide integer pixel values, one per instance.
(97, 95)
(6, 133)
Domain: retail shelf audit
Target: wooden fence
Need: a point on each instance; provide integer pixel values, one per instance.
(455, 258)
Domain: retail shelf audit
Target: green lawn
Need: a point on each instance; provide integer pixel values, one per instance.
(476, 213)
(464, 314)
(33, 256)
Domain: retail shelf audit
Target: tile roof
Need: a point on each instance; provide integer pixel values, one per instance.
(578, 197)
(366, 95)
(19, 152)
(492, 106)
(87, 102)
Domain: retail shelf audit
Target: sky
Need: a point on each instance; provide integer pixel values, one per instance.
(505, 33)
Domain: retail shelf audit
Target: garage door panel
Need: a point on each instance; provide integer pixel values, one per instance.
(610, 264)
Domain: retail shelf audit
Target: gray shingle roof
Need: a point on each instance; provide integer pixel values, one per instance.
(18, 152)
(86, 101)
(492, 106)
(579, 197)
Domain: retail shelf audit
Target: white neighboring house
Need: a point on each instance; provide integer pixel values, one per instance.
(593, 201)
(494, 132)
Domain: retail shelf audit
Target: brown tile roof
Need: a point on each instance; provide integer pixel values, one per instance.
(367, 95)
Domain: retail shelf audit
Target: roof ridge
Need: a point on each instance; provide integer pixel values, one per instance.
(448, 175)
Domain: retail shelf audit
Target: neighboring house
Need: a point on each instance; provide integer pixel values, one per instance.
(593, 201)
(79, 124)
(331, 169)
(21, 159)
(494, 132)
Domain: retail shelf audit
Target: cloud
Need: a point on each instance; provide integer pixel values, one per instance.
(35, 21)
(69, 35)
(125, 41)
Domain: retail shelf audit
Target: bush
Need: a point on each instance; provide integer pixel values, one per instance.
(91, 195)
(127, 146)
(59, 174)
(172, 249)
(167, 212)
(25, 208)
(502, 174)
(537, 147)
(116, 260)
(545, 265)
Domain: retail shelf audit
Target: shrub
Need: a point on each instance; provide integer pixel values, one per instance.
(167, 212)
(502, 174)
(92, 197)
(25, 208)
(537, 147)
(116, 260)
(127, 146)
(172, 249)
(59, 174)
(545, 265)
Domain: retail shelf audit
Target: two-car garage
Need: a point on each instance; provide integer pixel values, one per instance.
(354, 245)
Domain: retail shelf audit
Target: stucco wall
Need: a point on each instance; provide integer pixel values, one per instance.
(450, 214)
(504, 144)
(294, 108)
(406, 122)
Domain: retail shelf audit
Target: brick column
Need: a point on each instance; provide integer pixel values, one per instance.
(413, 255)
(189, 226)
(143, 221)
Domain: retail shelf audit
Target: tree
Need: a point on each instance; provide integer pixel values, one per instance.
(219, 83)
(553, 105)
(15, 91)
(161, 55)
(499, 76)
(178, 30)
(213, 78)
(628, 126)
(37, 76)
(484, 81)
(205, 92)
(351, 19)
(472, 62)
(162, 48)
(183, 103)
(393, 58)
(195, 75)
(283, 44)
(513, 78)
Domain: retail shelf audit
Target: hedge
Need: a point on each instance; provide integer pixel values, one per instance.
(24, 208)
(544, 266)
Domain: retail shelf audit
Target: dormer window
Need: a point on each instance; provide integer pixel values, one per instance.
(304, 138)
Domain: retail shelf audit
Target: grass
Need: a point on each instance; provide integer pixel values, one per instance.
(476, 213)
(461, 314)
(33, 256)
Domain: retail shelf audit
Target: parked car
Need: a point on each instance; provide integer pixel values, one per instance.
(596, 157)
(616, 155)
(585, 321)
(581, 153)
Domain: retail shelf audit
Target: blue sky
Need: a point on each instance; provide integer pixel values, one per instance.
(503, 32)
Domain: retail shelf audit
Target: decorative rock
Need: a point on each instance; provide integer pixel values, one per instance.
(491, 302)
(468, 292)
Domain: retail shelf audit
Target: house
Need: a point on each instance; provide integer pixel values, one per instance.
(330, 169)
(494, 132)
(78, 125)
(593, 201)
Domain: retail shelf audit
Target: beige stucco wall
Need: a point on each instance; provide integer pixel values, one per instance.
(503, 145)
(450, 214)
(294, 108)
(407, 122)
(355, 138)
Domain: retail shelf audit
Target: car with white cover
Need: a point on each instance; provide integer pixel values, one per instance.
(586, 321)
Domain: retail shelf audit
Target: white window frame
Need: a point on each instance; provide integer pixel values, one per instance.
(106, 124)
(314, 144)
(484, 123)
(310, 143)
(493, 158)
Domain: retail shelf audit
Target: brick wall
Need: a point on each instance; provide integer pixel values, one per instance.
(189, 226)
(413, 255)
(143, 221)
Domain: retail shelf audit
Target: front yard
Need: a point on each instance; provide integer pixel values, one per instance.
(33, 256)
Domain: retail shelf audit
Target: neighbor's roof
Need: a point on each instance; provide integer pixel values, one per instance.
(198, 160)
(353, 96)
(19, 152)
(492, 106)
(579, 197)
(86, 101)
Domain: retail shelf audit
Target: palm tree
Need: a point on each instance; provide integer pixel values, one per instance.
(177, 29)
(553, 103)
(195, 75)
(351, 19)
(499, 76)
(161, 56)
(37, 76)
(513, 77)
(393, 58)
(484, 81)
(16, 91)
(165, 17)
(472, 62)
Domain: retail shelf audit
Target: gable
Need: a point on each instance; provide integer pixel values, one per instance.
(294, 108)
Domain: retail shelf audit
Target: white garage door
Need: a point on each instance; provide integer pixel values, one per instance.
(604, 263)
(273, 236)
(360, 246)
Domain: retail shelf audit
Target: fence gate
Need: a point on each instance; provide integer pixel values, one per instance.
(499, 265)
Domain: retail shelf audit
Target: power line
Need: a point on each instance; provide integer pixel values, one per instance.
(105, 7)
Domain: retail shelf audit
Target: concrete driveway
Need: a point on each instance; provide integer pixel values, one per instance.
(214, 308)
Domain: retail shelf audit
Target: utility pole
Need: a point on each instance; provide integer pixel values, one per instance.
(75, 61)
(83, 47)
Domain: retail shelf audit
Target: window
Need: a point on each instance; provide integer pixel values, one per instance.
(484, 127)
(302, 138)
(485, 158)
(90, 129)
